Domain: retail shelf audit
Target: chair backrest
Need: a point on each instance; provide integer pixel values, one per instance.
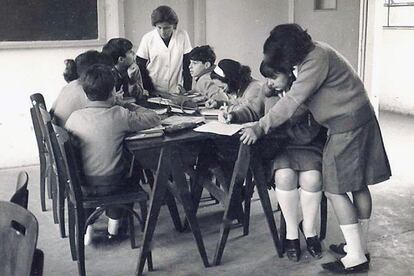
(72, 166)
(18, 238)
(58, 137)
(41, 146)
(21, 196)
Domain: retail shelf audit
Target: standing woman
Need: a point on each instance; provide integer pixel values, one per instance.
(354, 155)
(163, 54)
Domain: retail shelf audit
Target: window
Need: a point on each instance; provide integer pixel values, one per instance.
(51, 23)
(399, 14)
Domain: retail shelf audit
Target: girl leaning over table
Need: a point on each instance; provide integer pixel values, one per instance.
(297, 163)
(354, 155)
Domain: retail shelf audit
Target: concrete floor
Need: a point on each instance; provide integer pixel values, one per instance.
(390, 243)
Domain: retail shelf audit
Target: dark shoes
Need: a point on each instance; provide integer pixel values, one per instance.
(339, 249)
(337, 267)
(314, 247)
(292, 249)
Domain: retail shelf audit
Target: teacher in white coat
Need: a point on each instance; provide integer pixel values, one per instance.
(163, 54)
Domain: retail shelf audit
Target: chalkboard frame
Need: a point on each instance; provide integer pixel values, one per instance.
(64, 43)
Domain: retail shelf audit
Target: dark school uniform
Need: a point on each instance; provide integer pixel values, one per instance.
(354, 154)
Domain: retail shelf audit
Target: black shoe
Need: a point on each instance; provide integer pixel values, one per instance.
(339, 249)
(292, 249)
(338, 268)
(314, 247)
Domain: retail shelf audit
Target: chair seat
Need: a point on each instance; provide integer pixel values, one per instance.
(124, 197)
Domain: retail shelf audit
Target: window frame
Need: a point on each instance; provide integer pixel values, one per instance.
(388, 5)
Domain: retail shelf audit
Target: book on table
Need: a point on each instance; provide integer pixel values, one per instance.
(157, 131)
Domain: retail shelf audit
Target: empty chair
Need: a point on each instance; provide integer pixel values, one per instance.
(18, 238)
(21, 196)
(37, 99)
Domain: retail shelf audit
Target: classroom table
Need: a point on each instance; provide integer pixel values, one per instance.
(170, 164)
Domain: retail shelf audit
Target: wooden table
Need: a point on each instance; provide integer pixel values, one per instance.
(170, 164)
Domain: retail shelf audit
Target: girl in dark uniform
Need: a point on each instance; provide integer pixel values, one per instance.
(354, 155)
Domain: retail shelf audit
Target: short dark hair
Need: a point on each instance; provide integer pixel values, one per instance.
(287, 45)
(117, 47)
(98, 82)
(164, 14)
(203, 53)
(269, 70)
(88, 58)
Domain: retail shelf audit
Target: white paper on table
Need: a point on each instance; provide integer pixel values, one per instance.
(219, 128)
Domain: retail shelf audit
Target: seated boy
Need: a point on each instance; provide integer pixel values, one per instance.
(128, 80)
(202, 60)
(72, 97)
(99, 130)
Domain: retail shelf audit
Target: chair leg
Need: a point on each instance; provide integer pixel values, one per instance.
(144, 213)
(61, 208)
(282, 228)
(172, 208)
(131, 230)
(71, 229)
(324, 217)
(247, 203)
(42, 182)
(80, 236)
(53, 186)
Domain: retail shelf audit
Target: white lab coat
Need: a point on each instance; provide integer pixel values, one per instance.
(165, 65)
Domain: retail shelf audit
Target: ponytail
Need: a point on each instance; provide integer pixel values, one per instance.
(245, 79)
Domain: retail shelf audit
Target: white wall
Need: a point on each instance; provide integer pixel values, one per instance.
(397, 89)
(339, 28)
(27, 71)
(237, 29)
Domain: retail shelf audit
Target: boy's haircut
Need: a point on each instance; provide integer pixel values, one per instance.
(164, 14)
(117, 47)
(88, 58)
(203, 53)
(98, 82)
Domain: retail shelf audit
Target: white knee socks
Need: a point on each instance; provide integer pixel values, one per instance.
(364, 224)
(113, 226)
(310, 202)
(288, 201)
(355, 254)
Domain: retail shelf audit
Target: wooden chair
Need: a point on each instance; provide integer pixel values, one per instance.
(18, 238)
(21, 198)
(69, 170)
(37, 99)
(57, 188)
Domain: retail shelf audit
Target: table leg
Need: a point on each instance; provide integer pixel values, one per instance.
(158, 193)
(239, 173)
(180, 181)
(258, 173)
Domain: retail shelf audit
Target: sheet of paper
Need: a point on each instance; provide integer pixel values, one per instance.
(209, 112)
(219, 128)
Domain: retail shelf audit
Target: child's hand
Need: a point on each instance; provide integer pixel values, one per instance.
(180, 89)
(118, 96)
(225, 117)
(211, 103)
(250, 135)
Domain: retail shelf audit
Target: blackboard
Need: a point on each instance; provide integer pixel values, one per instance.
(48, 20)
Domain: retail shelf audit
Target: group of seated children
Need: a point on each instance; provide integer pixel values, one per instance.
(92, 108)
